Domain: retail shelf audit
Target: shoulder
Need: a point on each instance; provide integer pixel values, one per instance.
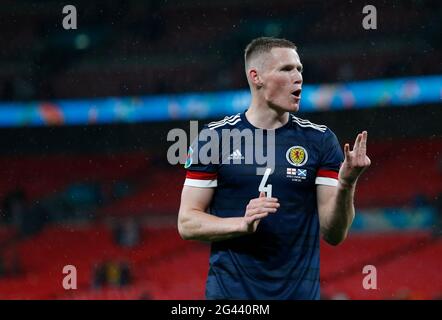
(307, 125)
(316, 132)
(228, 122)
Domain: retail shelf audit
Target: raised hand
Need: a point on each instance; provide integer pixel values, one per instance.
(355, 162)
(257, 209)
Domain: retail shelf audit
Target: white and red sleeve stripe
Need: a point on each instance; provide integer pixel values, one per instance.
(201, 179)
(327, 177)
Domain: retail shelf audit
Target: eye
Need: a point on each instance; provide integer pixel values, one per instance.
(290, 68)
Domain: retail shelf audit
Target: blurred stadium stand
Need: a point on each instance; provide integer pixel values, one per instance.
(134, 47)
(66, 190)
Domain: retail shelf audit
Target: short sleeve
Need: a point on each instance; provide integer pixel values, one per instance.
(201, 162)
(331, 160)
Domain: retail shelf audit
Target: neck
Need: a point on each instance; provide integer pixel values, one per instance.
(262, 116)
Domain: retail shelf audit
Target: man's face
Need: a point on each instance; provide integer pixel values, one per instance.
(282, 79)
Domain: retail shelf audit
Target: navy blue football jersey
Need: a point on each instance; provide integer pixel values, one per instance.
(281, 259)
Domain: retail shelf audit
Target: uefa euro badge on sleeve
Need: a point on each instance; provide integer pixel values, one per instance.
(189, 158)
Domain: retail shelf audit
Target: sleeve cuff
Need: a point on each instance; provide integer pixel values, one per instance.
(201, 183)
(201, 179)
(326, 181)
(327, 178)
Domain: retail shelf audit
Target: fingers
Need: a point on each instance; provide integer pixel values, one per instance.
(253, 205)
(359, 147)
(257, 216)
(363, 144)
(361, 140)
(347, 151)
(267, 199)
(362, 148)
(258, 211)
(262, 199)
(262, 204)
(262, 194)
(357, 142)
(368, 163)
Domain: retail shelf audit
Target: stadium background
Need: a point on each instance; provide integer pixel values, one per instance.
(98, 192)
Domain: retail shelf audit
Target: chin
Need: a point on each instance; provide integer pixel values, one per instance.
(295, 108)
(292, 107)
(289, 107)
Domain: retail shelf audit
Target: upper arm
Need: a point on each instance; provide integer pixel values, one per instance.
(201, 177)
(194, 198)
(327, 176)
(200, 183)
(325, 196)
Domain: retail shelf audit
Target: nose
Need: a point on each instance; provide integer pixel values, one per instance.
(297, 78)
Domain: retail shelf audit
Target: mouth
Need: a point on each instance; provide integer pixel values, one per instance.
(297, 94)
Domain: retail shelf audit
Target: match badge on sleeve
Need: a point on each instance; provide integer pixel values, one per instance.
(297, 156)
(189, 158)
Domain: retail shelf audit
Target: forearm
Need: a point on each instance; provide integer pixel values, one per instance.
(201, 226)
(337, 223)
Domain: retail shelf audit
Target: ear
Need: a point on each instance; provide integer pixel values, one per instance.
(255, 78)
